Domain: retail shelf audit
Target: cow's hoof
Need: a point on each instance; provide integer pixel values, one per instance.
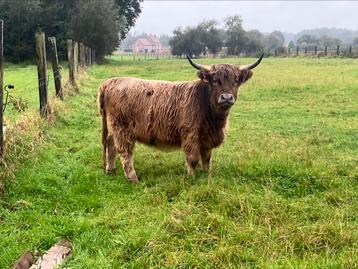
(134, 181)
(111, 172)
(132, 177)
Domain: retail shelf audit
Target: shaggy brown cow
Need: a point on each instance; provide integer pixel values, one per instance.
(191, 115)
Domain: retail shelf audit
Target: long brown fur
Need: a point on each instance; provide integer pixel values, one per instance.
(166, 114)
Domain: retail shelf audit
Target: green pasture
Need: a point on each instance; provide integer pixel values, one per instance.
(283, 191)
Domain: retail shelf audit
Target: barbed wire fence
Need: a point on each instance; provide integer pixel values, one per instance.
(80, 57)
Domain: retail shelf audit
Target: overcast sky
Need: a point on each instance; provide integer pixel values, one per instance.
(161, 17)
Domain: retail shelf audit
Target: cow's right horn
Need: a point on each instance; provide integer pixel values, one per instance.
(197, 66)
(253, 65)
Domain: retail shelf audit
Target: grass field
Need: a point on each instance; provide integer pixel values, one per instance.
(283, 191)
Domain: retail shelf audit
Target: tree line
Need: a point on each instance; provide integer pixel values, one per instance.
(311, 41)
(233, 39)
(99, 24)
(208, 37)
(345, 35)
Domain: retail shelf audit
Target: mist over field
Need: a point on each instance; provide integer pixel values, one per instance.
(162, 17)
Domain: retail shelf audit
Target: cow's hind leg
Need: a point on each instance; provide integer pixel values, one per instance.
(124, 143)
(110, 155)
(127, 162)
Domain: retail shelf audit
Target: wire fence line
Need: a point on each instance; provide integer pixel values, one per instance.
(344, 51)
(79, 57)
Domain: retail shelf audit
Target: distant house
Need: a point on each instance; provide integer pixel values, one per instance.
(149, 44)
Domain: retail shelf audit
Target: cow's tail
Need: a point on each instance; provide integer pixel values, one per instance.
(102, 110)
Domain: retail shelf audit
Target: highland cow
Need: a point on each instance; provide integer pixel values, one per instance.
(188, 115)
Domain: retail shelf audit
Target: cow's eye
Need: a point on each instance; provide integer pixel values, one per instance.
(215, 82)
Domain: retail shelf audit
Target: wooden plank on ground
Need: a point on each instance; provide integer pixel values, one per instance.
(55, 256)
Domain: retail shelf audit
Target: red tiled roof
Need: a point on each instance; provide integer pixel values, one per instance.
(154, 39)
(145, 41)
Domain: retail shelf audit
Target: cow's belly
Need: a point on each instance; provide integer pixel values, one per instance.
(162, 140)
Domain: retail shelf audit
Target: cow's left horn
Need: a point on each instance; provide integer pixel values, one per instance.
(253, 65)
(197, 66)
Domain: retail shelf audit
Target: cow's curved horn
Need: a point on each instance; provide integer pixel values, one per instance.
(197, 66)
(253, 65)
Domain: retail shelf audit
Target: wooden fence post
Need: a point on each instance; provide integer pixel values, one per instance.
(297, 51)
(289, 51)
(71, 59)
(55, 67)
(1, 92)
(350, 51)
(305, 51)
(82, 56)
(75, 59)
(86, 56)
(338, 50)
(315, 50)
(325, 51)
(42, 72)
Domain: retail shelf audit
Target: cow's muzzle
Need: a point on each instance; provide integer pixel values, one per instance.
(226, 100)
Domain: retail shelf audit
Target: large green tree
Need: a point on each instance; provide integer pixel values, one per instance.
(211, 38)
(20, 22)
(274, 40)
(64, 19)
(96, 25)
(197, 40)
(186, 41)
(254, 41)
(128, 11)
(236, 37)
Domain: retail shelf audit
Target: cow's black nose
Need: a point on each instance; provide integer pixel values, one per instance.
(226, 98)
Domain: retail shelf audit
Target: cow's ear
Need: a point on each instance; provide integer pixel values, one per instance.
(244, 76)
(204, 76)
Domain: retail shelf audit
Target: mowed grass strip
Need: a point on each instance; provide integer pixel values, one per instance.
(283, 192)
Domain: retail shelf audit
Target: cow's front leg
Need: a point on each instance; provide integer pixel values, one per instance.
(124, 143)
(192, 154)
(192, 160)
(205, 159)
